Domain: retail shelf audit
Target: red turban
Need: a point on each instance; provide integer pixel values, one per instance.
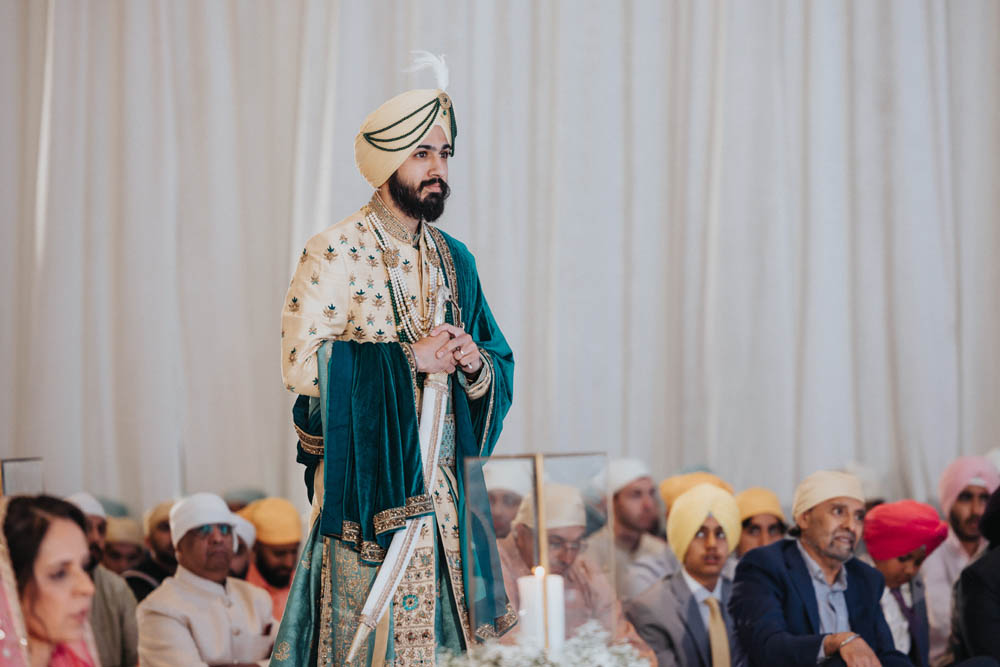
(896, 529)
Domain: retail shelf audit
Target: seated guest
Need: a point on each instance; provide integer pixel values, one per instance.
(123, 544)
(977, 595)
(237, 499)
(803, 601)
(899, 537)
(507, 482)
(634, 507)
(683, 617)
(645, 571)
(964, 489)
(763, 521)
(113, 611)
(158, 562)
(588, 594)
(200, 616)
(45, 589)
(276, 551)
(246, 536)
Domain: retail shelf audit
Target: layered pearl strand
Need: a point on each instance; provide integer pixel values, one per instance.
(413, 325)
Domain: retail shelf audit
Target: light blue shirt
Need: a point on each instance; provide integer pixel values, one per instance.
(701, 594)
(830, 600)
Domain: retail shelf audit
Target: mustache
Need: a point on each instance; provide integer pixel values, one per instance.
(435, 181)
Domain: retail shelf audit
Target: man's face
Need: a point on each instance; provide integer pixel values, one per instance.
(635, 506)
(420, 186)
(760, 530)
(240, 563)
(706, 555)
(503, 507)
(276, 562)
(565, 544)
(833, 527)
(899, 571)
(121, 556)
(97, 530)
(966, 512)
(161, 545)
(207, 551)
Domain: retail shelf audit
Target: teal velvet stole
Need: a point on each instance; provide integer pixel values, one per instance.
(372, 463)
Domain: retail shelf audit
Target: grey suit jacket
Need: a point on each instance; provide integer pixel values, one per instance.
(666, 616)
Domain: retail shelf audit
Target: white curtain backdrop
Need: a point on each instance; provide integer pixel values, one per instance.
(762, 237)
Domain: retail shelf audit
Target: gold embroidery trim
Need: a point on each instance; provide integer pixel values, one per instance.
(312, 444)
(350, 532)
(395, 518)
(397, 229)
(499, 626)
(489, 409)
(449, 270)
(408, 352)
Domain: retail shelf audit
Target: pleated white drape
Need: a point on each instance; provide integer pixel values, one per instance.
(758, 236)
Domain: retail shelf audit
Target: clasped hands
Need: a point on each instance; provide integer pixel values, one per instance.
(446, 348)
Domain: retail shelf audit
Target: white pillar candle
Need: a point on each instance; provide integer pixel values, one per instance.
(541, 617)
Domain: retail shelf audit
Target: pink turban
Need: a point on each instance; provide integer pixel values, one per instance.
(896, 529)
(962, 472)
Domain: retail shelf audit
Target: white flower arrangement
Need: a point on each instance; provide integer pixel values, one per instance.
(587, 648)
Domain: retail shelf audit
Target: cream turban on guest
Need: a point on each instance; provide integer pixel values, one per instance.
(672, 487)
(123, 530)
(156, 515)
(199, 509)
(619, 474)
(87, 504)
(758, 500)
(691, 509)
(276, 520)
(822, 486)
(563, 508)
(515, 475)
(389, 134)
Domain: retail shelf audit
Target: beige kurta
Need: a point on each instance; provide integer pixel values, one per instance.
(112, 617)
(603, 541)
(195, 622)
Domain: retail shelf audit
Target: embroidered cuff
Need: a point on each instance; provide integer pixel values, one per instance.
(482, 383)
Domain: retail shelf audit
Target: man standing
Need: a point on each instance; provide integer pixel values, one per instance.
(683, 617)
(803, 601)
(899, 536)
(635, 510)
(200, 616)
(402, 374)
(159, 563)
(112, 613)
(278, 530)
(964, 489)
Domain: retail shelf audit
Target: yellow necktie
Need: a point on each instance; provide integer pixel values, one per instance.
(718, 638)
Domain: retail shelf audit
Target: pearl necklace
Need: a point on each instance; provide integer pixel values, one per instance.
(414, 326)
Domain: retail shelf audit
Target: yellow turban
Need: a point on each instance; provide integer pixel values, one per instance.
(124, 530)
(275, 519)
(155, 516)
(563, 508)
(672, 487)
(390, 133)
(690, 511)
(757, 500)
(822, 486)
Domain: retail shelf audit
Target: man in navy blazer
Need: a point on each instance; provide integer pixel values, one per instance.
(808, 601)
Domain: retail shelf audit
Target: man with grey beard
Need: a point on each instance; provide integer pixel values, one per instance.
(808, 600)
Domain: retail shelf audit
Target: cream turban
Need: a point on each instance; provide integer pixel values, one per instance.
(275, 519)
(245, 531)
(758, 500)
(672, 487)
(196, 510)
(619, 474)
(563, 508)
(822, 486)
(124, 530)
(389, 133)
(691, 509)
(154, 516)
(88, 504)
(509, 474)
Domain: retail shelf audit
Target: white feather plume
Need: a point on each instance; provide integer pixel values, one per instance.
(423, 60)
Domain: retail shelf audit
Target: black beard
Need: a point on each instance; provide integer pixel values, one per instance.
(276, 579)
(409, 202)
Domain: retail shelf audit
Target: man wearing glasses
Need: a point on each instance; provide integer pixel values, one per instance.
(588, 593)
(201, 615)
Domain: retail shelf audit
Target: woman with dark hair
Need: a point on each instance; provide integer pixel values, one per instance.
(45, 592)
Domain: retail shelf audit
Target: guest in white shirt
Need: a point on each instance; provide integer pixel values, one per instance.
(201, 616)
(964, 490)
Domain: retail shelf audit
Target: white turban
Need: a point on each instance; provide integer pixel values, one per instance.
(563, 508)
(822, 486)
(196, 510)
(88, 504)
(245, 531)
(619, 474)
(510, 475)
